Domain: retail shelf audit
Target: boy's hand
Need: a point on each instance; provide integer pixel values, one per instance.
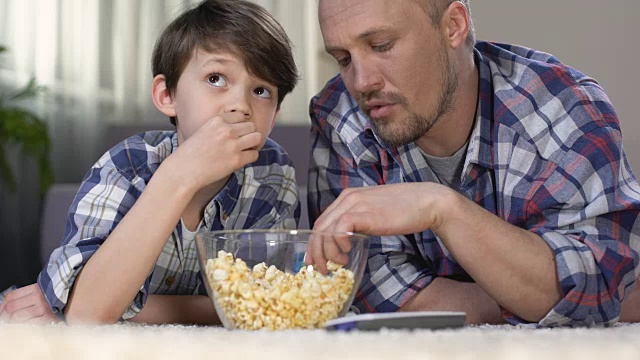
(222, 145)
(27, 305)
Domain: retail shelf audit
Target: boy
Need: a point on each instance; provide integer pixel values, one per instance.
(221, 71)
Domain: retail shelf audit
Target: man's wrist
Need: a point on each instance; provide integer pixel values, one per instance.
(447, 209)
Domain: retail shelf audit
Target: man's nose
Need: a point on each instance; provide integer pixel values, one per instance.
(367, 78)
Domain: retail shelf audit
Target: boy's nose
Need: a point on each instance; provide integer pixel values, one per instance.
(239, 104)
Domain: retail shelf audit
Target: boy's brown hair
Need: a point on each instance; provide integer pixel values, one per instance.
(240, 27)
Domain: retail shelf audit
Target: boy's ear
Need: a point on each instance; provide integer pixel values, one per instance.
(275, 116)
(162, 96)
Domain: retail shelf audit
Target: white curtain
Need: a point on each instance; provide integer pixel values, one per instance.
(94, 56)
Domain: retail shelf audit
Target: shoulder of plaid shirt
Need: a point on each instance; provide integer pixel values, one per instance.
(263, 194)
(534, 114)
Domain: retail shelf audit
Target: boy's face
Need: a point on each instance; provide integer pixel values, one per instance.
(217, 83)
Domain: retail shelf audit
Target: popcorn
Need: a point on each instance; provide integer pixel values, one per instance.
(265, 297)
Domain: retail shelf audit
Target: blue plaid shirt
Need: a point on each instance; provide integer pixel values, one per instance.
(260, 195)
(545, 154)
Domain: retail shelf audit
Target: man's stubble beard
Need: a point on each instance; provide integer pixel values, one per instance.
(414, 126)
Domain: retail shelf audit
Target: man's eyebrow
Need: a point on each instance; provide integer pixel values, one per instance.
(371, 32)
(367, 34)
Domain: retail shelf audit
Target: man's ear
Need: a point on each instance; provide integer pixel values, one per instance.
(162, 96)
(456, 23)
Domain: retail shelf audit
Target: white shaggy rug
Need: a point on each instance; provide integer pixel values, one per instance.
(184, 342)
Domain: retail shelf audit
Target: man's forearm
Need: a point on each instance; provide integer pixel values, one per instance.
(450, 295)
(514, 266)
(176, 309)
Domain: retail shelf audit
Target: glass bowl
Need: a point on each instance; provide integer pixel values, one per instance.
(257, 279)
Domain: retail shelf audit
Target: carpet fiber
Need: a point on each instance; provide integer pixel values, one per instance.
(184, 342)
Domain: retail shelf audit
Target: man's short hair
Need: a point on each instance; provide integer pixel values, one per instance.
(236, 26)
(436, 9)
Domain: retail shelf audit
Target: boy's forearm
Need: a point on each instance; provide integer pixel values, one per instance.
(114, 274)
(175, 309)
(450, 295)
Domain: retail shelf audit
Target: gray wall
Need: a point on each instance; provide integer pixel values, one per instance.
(597, 37)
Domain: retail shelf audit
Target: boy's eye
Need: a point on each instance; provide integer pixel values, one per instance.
(263, 92)
(216, 80)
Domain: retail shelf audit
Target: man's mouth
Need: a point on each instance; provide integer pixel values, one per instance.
(377, 110)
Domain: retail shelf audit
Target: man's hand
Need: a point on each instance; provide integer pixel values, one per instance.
(27, 305)
(222, 145)
(378, 210)
(515, 267)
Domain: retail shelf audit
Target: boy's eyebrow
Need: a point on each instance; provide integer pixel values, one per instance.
(217, 59)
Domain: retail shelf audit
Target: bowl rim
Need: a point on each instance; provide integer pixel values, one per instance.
(284, 231)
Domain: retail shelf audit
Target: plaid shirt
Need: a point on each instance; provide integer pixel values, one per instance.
(545, 154)
(260, 195)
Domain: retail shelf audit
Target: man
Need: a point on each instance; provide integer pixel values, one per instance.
(504, 167)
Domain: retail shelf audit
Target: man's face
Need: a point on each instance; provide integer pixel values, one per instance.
(393, 62)
(216, 83)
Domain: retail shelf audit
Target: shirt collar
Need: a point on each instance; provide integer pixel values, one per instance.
(480, 143)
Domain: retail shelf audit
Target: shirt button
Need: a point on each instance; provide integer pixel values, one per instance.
(170, 280)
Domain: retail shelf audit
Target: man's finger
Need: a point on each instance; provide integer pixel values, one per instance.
(317, 253)
(345, 203)
(308, 258)
(332, 251)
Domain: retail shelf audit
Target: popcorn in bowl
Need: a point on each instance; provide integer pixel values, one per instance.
(258, 279)
(268, 298)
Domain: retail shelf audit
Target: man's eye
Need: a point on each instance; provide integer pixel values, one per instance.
(344, 61)
(217, 80)
(263, 92)
(382, 47)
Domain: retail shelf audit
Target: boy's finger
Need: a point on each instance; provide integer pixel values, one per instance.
(234, 117)
(250, 141)
(4, 315)
(244, 128)
(23, 315)
(20, 292)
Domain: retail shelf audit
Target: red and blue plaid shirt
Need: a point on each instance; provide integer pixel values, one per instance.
(545, 155)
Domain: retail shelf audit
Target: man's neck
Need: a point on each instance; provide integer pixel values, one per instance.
(453, 129)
